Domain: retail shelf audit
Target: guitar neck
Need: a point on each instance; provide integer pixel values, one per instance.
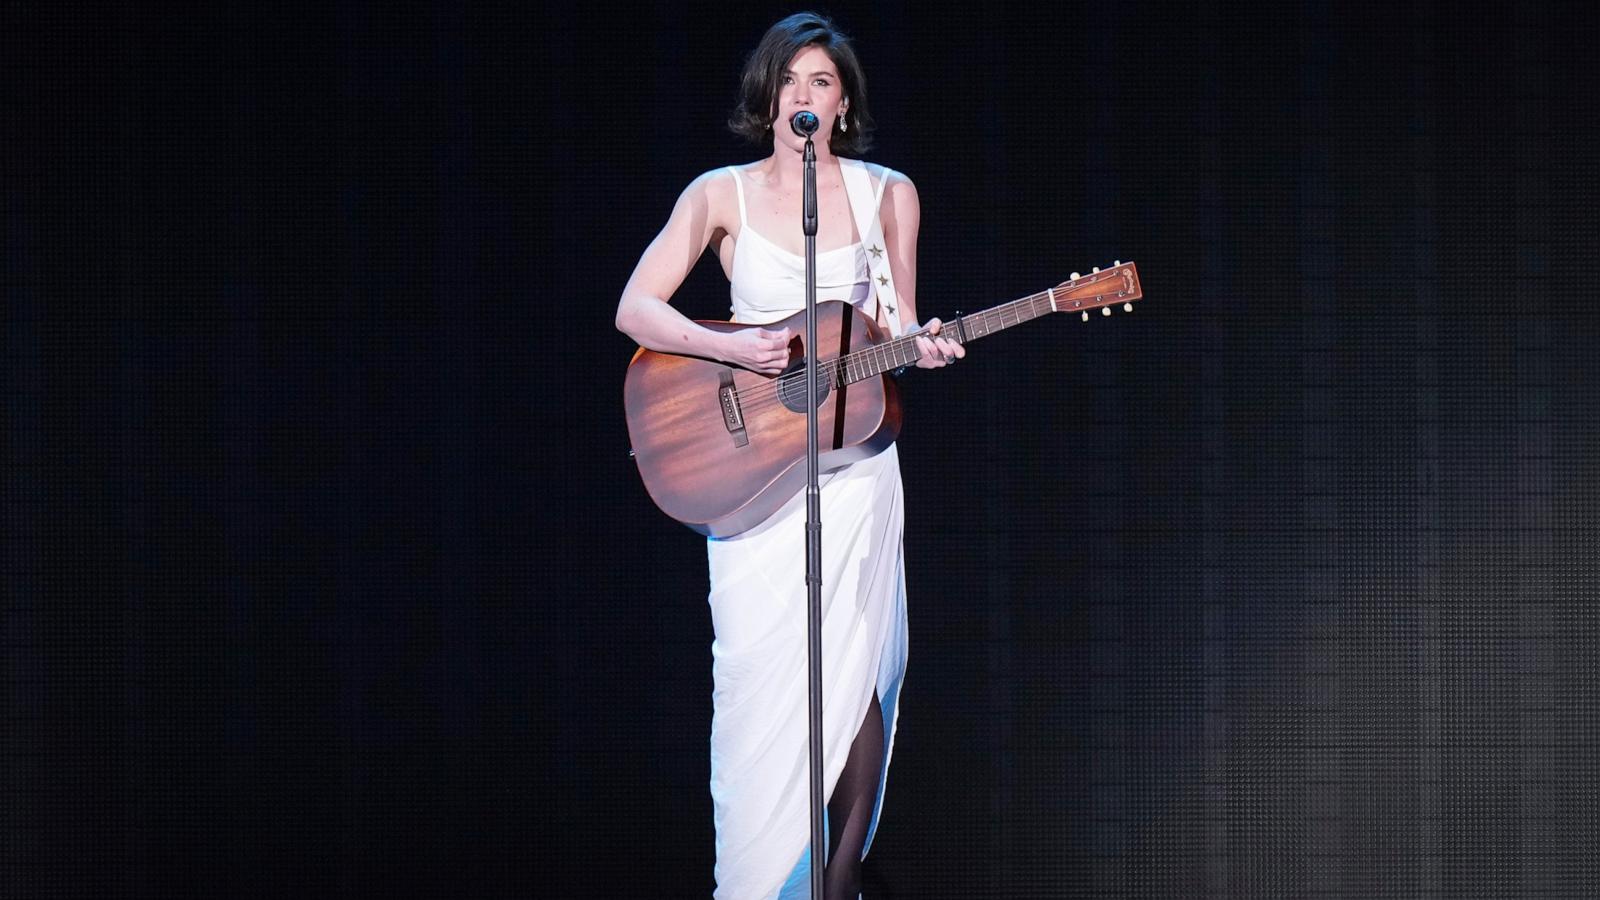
(1119, 284)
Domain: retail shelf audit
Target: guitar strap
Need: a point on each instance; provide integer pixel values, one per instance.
(864, 203)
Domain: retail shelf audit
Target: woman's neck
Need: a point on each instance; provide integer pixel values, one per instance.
(785, 168)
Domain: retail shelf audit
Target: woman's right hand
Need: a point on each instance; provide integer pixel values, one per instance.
(760, 350)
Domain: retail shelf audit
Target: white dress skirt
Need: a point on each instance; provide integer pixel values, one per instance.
(759, 742)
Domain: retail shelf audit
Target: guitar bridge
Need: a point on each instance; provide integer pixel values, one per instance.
(732, 416)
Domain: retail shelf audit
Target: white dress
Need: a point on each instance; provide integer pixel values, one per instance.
(759, 743)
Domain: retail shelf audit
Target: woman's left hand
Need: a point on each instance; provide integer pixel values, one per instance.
(935, 351)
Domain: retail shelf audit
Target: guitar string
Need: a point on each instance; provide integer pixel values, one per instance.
(759, 397)
(832, 366)
(771, 391)
(764, 394)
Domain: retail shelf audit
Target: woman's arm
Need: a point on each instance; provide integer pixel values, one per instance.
(644, 314)
(902, 217)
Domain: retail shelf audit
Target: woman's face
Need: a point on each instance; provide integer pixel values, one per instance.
(811, 81)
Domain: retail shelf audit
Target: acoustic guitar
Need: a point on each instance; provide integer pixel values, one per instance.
(721, 448)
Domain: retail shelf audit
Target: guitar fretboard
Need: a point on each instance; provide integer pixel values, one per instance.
(1116, 285)
(902, 351)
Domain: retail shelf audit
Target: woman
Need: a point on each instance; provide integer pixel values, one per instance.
(750, 215)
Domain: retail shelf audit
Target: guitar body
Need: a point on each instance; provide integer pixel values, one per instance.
(721, 448)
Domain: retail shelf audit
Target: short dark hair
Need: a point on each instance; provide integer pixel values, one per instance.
(763, 74)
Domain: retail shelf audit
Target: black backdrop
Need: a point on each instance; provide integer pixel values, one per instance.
(327, 573)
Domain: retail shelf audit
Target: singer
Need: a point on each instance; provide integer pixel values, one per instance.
(750, 215)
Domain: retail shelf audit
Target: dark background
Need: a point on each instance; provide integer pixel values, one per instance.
(326, 571)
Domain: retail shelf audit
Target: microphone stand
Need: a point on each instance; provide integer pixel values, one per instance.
(819, 846)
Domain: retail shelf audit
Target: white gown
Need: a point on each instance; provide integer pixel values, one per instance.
(759, 742)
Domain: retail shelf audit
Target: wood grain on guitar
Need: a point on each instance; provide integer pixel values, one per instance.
(721, 448)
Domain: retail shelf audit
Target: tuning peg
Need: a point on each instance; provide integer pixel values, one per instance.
(1127, 307)
(1075, 277)
(1086, 315)
(1105, 310)
(1096, 271)
(1117, 263)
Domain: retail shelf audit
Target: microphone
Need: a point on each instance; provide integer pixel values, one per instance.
(804, 123)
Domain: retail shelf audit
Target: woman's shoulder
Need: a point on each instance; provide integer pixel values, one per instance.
(713, 191)
(900, 204)
(724, 182)
(897, 186)
(895, 179)
(713, 181)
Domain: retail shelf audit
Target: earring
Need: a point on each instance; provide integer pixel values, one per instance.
(843, 125)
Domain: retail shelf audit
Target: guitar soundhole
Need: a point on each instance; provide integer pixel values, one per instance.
(792, 388)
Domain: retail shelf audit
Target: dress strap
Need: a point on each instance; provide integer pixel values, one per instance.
(738, 183)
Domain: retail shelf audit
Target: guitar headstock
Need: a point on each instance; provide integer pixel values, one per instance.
(1098, 290)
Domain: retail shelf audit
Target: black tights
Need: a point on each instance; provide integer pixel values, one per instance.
(850, 809)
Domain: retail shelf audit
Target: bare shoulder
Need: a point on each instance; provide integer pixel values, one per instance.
(898, 182)
(900, 201)
(714, 191)
(710, 186)
(706, 208)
